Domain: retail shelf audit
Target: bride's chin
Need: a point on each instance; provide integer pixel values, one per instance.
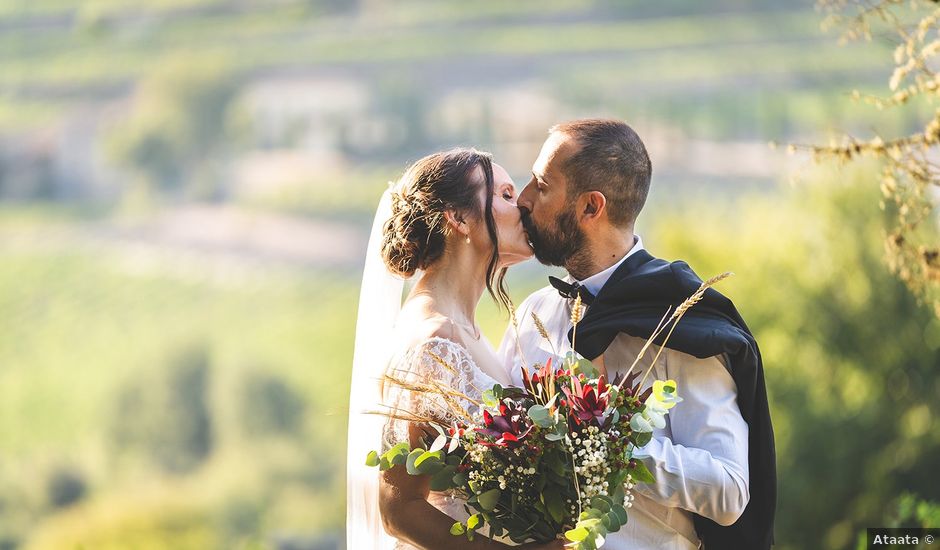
(509, 259)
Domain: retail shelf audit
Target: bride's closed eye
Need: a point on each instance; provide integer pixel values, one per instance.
(508, 193)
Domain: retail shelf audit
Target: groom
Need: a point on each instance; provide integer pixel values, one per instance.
(714, 461)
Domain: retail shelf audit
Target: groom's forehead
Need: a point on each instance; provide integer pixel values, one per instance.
(555, 151)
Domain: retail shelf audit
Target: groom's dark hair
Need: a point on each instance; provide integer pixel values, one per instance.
(612, 159)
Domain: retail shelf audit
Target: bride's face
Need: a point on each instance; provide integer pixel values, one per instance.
(513, 244)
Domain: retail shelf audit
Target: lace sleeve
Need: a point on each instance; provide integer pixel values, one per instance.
(429, 380)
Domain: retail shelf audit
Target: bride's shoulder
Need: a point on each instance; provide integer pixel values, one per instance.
(417, 325)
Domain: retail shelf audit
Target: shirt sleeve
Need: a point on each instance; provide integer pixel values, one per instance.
(703, 467)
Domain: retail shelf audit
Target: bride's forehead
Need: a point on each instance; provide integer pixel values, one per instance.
(500, 176)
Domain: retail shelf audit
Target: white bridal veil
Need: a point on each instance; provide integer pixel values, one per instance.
(379, 305)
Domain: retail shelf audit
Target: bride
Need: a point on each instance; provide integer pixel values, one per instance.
(452, 220)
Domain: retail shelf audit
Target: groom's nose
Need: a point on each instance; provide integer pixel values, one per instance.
(525, 198)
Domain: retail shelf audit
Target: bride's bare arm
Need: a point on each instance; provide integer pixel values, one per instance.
(407, 514)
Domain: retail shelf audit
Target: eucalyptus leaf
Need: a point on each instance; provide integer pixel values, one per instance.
(489, 499)
(577, 534)
(443, 479)
(621, 513)
(489, 399)
(410, 461)
(587, 368)
(612, 522)
(372, 459)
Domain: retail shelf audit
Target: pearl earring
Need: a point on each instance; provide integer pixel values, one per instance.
(468, 239)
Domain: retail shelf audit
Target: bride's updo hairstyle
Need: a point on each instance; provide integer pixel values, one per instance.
(415, 235)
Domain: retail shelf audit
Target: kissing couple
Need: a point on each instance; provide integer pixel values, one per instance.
(454, 223)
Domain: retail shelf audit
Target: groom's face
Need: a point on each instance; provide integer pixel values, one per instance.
(548, 214)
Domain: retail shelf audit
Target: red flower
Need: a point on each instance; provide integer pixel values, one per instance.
(508, 429)
(587, 403)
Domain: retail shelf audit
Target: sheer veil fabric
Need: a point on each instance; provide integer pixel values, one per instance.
(379, 306)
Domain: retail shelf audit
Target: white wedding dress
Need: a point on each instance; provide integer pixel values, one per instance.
(379, 347)
(417, 364)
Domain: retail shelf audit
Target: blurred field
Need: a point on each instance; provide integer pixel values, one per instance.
(185, 193)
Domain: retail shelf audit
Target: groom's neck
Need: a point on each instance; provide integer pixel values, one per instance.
(602, 250)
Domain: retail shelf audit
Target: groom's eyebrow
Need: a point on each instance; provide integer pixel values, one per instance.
(539, 178)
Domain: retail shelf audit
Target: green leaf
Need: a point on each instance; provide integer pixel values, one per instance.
(583, 366)
(490, 400)
(372, 459)
(641, 473)
(410, 461)
(473, 521)
(540, 416)
(601, 503)
(429, 462)
(489, 499)
(577, 534)
(457, 529)
(621, 513)
(612, 522)
(555, 505)
(443, 480)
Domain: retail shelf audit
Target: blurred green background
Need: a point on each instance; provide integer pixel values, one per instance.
(185, 193)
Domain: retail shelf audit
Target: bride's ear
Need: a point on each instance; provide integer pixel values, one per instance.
(456, 223)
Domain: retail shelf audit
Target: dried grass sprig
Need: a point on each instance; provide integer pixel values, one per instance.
(543, 331)
(450, 368)
(450, 396)
(670, 320)
(577, 312)
(515, 327)
(687, 304)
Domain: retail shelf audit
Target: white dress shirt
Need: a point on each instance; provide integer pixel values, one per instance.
(699, 459)
(598, 280)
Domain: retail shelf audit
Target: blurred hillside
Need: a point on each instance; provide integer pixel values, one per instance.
(185, 193)
(272, 102)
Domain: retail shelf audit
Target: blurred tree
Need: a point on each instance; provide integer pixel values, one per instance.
(65, 487)
(168, 416)
(851, 358)
(177, 126)
(270, 406)
(911, 512)
(910, 177)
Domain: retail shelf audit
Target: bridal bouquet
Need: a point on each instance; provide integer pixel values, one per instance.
(552, 457)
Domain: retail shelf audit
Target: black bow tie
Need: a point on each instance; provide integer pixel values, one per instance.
(571, 290)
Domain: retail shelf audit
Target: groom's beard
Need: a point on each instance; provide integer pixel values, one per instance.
(555, 247)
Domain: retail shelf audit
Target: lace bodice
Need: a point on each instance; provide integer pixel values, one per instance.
(418, 366)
